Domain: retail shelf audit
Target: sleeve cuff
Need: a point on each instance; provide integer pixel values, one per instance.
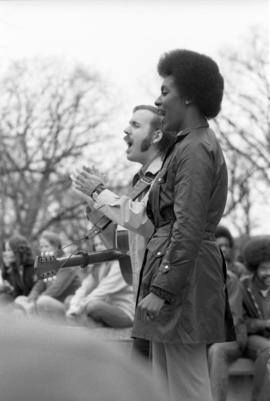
(106, 197)
(167, 296)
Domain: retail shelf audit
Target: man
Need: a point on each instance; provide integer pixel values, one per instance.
(226, 243)
(256, 302)
(221, 355)
(146, 145)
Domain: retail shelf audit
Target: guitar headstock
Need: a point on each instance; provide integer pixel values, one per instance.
(46, 266)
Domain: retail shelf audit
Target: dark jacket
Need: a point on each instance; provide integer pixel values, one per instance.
(256, 306)
(20, 278)
(183, 263)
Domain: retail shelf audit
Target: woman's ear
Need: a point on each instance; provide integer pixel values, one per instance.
(157, 136)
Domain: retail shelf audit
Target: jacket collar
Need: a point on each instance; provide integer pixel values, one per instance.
(186, 131)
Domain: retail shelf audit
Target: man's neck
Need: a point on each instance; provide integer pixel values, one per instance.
(149, 161)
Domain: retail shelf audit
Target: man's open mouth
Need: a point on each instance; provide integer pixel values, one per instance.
(129, 142)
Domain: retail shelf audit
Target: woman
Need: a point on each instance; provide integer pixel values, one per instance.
(17, 270)
(47, 298)
(182, 302)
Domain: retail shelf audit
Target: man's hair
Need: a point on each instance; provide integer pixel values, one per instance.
(197, 78)
(156, 123)
(222, 231)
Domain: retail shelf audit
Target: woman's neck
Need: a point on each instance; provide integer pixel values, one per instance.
(193, 118)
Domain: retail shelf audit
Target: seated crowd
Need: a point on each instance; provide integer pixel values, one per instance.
(248, 287)
(97, 295)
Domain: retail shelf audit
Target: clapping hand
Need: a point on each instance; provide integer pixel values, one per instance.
(86, 179)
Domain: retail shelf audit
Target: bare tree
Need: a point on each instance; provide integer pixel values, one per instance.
(244, 127)
(49, 115)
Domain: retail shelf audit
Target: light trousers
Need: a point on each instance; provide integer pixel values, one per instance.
(182, 370)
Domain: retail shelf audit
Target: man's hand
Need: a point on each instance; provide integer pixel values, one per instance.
(150, 306)
(86, 180)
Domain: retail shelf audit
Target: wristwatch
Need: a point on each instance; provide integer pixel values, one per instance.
(97, 191)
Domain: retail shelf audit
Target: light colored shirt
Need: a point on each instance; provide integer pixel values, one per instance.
(131, 215)
(105, 282)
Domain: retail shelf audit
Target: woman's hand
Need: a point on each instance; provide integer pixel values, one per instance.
(86, 180)
(150, 306)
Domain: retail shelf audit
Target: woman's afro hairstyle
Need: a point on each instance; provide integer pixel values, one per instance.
(197, 78)
(257, 251)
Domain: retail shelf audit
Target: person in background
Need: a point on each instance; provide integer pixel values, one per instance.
(47, 297)
(221, 355)
(17, 269)
(226, 243)
(256, 302)
(103, 298)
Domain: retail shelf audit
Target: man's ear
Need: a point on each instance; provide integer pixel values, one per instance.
(157, 136)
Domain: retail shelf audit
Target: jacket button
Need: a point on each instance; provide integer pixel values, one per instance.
(159, 253)
(166, 267)
(160, 179)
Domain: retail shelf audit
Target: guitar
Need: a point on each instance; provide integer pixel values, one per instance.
(47, 266)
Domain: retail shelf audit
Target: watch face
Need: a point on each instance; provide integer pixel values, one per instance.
(94, 195)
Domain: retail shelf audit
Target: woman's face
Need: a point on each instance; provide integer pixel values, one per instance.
(172, 105)
(46, 246)
(263, 273)
(8, 255)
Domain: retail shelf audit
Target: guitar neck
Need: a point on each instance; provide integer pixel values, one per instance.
(47, 266)
(88, 258)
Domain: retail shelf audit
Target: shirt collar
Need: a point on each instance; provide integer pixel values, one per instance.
(265, 293)
(152, 169)
(154, 166)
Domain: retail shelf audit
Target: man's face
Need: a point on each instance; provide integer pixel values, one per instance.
(172, 105)
(138, 136)
(224, 245)
(263, 273)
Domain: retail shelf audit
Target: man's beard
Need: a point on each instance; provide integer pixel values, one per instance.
(146, 143)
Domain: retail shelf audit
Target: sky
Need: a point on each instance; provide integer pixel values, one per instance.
(123, 39)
